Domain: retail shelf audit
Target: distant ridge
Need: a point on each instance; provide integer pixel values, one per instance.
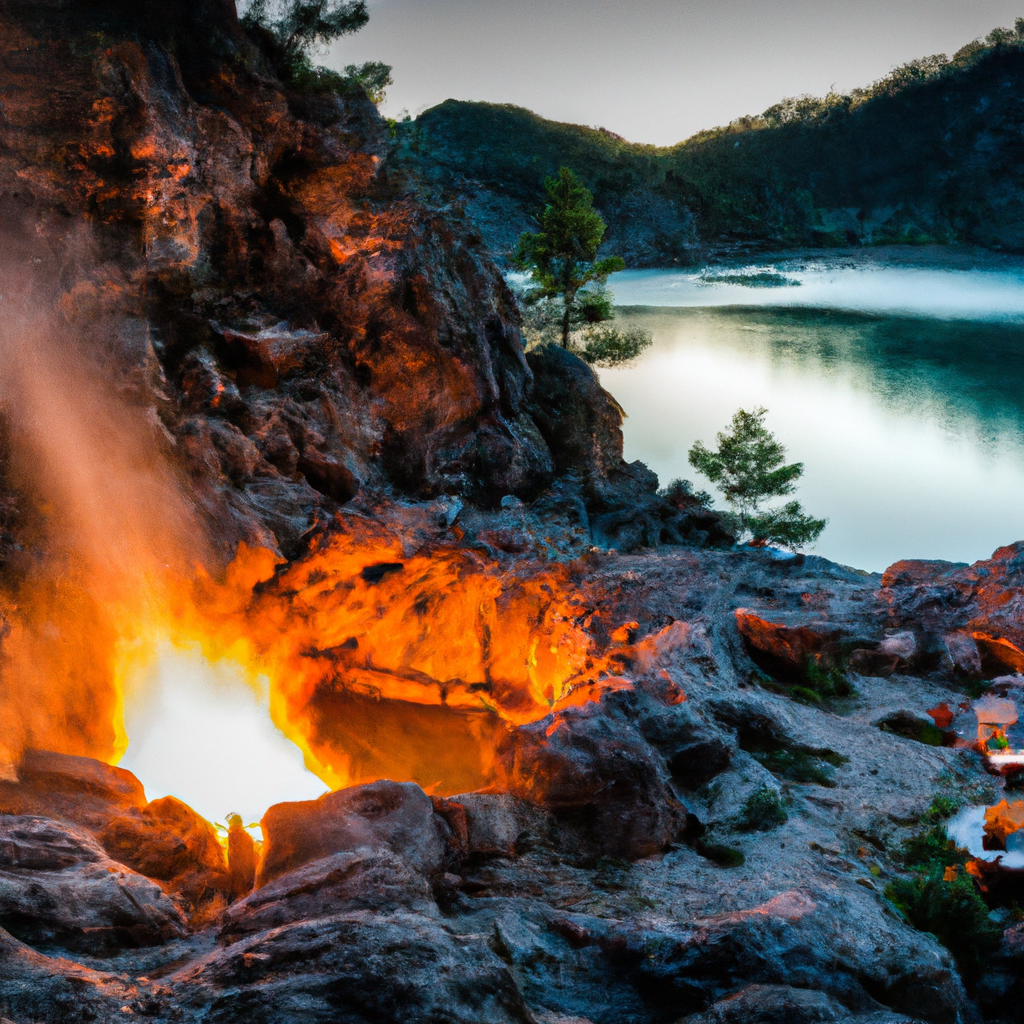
(933, 152)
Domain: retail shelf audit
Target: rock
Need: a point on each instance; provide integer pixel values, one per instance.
(963, 653)
(34, 987)
(494, 823)
(784, 648)
(783, 942)
(392, 815)
(365, 879)
(365, 965)
(74, 789)
(599, 775)
(167, 841)
(582, 426)
(912, 725)
(58, 888)
(694, 750)
(915, 572)
(771, 1004)
(241, 858)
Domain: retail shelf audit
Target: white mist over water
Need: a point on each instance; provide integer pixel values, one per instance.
(200, 732)
(989, 295)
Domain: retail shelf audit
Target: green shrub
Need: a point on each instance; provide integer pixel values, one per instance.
(802, 764)
(827, 682)
(931, 850)
(762, 811)
(952, 910)
(720, 854)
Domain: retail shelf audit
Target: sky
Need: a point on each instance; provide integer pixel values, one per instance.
(653, 71)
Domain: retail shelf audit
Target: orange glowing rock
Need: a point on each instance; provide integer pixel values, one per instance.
(1004, 818)
(942, 716)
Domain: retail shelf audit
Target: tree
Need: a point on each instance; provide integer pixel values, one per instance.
(562, 256)
(374, 76)
(569, 299)
(750, 468)
(292, 30)
(302, 25)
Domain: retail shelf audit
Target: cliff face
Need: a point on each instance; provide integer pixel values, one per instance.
(302, 328)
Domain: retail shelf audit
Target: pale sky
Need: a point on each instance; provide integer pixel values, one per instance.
(652, 70)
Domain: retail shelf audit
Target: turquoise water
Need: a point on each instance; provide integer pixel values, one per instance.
(900, 389)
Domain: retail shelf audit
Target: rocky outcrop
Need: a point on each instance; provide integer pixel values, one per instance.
(589, 882)
(238, 257)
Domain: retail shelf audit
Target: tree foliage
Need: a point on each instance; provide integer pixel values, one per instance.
(562, 256)
(569, 297)
(374, 76)
(294, 30)
(749, 467)
(301, 26)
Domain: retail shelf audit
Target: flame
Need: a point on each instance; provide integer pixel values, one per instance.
(383, 664)
(378, 657)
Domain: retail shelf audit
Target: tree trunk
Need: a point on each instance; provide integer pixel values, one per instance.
(565, 326)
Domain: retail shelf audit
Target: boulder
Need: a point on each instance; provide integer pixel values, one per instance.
(596, 772)
(363, 879)
(358, 965)
(494, 823)
(393, 815)
(81, 790)
(168, 841)
(786, 648)
(59, 888)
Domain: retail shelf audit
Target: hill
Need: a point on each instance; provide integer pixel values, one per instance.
(931, 153)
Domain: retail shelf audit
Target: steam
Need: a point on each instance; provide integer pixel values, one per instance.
(108, 527)
(988, 295)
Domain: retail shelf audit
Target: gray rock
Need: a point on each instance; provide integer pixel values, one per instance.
(58, 887)
(392, 815)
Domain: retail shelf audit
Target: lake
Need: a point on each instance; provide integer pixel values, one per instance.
(900, 386)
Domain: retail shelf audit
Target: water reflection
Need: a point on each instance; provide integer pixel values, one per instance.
(910, 429)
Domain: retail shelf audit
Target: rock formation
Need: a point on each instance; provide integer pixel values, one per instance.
(631, 786)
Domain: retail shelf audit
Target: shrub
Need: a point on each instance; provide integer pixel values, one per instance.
(718, 853)
(762, 811)
(950, 907)
(827, 682)
(802, 764)
(681, 492)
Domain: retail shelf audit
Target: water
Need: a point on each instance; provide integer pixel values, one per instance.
(901, 389)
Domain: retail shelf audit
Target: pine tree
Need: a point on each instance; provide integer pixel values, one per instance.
(749, 467)
(562, 256)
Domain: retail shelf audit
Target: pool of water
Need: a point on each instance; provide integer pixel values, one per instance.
(901, 389)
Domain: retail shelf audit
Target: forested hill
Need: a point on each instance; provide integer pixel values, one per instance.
(932, 152)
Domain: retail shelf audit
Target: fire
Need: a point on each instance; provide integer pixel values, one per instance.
(374, 662)
(201, 731)
(379, 654)
(385, 664)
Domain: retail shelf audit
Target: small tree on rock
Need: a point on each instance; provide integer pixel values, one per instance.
(749, 467)
(562, 260)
